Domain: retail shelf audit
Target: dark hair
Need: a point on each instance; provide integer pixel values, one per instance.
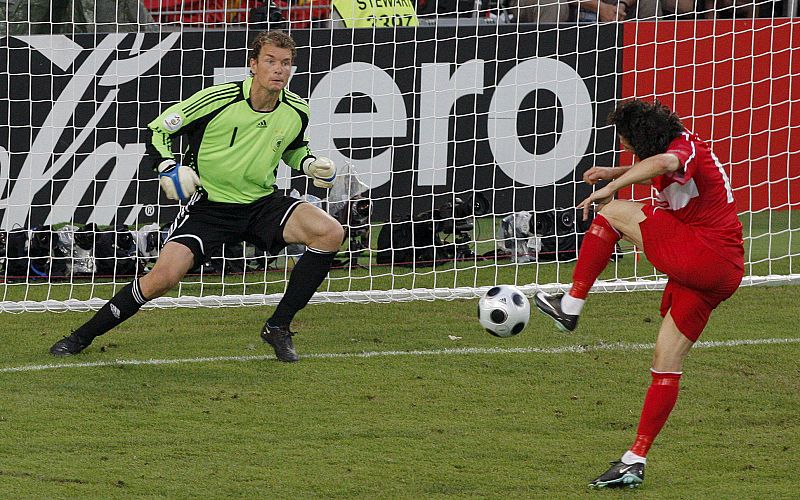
(647, 127)
(277, 38)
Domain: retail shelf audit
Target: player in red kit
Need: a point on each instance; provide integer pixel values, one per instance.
(692, 234)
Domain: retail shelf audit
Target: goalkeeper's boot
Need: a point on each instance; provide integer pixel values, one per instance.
(620, 475)
(551, 306)
(280, 338)
(69, 345)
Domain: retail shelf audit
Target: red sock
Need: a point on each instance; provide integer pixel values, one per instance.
(596, 249)
(658, 403)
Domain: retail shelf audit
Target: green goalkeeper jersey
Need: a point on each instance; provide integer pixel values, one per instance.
(234, 148)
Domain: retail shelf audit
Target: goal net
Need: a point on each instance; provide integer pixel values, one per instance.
(460, 143)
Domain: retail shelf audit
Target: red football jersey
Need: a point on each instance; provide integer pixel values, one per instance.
(700, 195)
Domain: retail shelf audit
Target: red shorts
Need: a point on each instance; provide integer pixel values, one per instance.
(699, 278)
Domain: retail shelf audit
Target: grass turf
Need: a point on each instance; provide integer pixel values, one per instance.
(492, 425)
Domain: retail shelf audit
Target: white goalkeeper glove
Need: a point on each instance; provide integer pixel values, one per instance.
(322, 170)
(179, 182)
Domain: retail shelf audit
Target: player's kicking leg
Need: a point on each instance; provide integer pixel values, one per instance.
(173, 263)
(322, 235)
(616, 219)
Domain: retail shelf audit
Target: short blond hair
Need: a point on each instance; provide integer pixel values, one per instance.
(277, 38)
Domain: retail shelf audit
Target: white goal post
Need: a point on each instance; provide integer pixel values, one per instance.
(460, 145)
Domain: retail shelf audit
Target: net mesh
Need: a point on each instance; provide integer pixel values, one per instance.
(460, 143)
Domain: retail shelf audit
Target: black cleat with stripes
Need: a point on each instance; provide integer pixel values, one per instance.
(551, 306)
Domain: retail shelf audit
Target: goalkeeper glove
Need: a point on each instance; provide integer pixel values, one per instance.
(322, 170)
(179, 182)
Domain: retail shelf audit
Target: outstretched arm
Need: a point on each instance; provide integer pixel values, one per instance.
(640, 173)
(596, 174)
(645, 170)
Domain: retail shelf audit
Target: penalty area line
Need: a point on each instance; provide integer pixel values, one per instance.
(577, 349)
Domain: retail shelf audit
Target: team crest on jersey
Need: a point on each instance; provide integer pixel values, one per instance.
(277, 143)
(173, 122)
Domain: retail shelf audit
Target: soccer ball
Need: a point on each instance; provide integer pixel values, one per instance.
(504, 311)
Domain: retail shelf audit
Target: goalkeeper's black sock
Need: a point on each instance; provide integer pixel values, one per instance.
(122, 306)
(306, 277)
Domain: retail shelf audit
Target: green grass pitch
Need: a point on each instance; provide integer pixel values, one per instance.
(438, 423)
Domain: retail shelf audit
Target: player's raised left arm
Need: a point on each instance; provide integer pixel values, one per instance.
(645, 171)
(640, 173)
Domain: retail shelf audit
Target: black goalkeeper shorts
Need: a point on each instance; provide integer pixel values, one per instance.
(204, 226)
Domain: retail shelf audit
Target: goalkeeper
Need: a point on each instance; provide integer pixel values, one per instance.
(236, 134)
